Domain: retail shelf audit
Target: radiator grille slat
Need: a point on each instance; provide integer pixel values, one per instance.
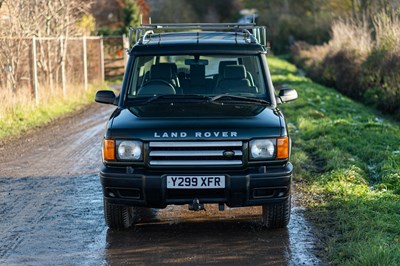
(202, 153)
(196, 144)
(193, 153)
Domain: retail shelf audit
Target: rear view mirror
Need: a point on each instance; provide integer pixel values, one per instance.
(105, 96)
(287, 95)
(198, 62)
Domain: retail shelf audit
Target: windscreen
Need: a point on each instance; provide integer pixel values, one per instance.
(206, 75)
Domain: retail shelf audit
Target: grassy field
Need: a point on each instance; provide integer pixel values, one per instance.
(19, 112)
(347, 163)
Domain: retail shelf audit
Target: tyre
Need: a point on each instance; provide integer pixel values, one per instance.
(118, 216)
(276, 215)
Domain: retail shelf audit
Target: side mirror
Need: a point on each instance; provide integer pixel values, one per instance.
(107, 97)
(287, 95)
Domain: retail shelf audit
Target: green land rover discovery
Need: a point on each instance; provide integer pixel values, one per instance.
(196, 122)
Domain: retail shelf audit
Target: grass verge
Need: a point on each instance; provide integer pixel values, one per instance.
(24, 115)
(347, 162)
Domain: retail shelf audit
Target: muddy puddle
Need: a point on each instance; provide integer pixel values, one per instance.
(176, 236)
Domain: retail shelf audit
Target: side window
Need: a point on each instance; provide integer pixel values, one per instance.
(141, 73)
(254, 73)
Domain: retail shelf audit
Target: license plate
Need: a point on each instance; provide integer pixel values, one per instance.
(195, 182)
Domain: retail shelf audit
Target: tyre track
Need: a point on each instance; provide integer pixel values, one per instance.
(63, 221)
(38, 189)
(59, 149)
(18, 206)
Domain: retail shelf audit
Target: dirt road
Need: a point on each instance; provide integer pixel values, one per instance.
(51, 212)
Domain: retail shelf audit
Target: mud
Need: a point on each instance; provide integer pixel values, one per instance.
(51, 212)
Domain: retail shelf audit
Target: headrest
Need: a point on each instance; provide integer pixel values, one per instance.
(161, 71)
(174, 68)
(234, 72)
(223, 64)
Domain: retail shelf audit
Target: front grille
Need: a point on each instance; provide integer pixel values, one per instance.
(202, 153)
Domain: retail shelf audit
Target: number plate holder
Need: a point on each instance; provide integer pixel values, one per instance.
(196, 182)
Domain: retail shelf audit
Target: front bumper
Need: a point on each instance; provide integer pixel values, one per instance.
(249, 187)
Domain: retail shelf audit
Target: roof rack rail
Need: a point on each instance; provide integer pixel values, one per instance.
(144, 30)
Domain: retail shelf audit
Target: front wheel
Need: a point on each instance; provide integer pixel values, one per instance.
(118, 216)
(276, 215)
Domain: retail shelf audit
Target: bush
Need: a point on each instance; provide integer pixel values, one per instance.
(310, 58)
(342, 69)
(381, 77)
(381, 71)
(354, 64)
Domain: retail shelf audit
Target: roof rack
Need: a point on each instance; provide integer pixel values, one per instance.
(258, 33)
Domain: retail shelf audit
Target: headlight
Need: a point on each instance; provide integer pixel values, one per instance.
(262, 149)
(129, 150)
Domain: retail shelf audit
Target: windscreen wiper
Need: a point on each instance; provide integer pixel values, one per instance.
(233, 99)
(170, 98)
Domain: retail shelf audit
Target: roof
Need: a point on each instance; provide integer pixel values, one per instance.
(213, 38)
(198, 38)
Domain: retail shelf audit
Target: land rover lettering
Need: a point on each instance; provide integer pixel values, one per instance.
(170, 135)
(216, 134)
(205, 134)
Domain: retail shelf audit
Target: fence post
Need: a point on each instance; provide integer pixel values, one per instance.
(85, 70)
(102, 58)
(35, 77)
(63, 78)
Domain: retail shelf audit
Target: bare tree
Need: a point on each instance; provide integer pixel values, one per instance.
(59, 18)
(10, 46)
(41, 18)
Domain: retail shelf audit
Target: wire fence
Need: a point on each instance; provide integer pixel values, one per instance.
(58, 63)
